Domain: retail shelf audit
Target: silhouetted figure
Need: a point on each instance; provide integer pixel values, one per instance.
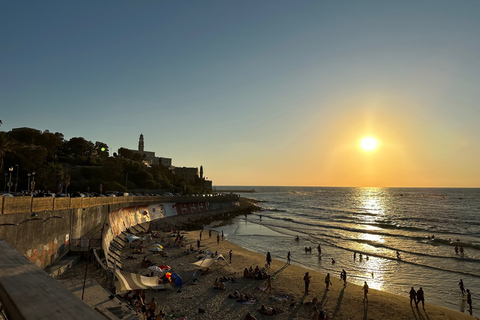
(327, 281)
(413, 296)
(469, 301)
(288, 257)
(421, 297)
(269, 259)
(462, 288)
(365, 292)
(306, 279)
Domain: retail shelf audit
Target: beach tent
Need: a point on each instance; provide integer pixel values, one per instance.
(176, 280)
(133, 281)
(207, 261)
(155, 249)
(157, 270)
(132, 237)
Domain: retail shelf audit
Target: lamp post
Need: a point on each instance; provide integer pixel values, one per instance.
(16, 179)
(9, 184)
(32, 186)
(28, 184)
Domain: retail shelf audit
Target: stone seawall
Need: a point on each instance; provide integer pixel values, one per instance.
(45, 236)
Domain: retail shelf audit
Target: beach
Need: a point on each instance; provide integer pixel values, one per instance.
(202, 301)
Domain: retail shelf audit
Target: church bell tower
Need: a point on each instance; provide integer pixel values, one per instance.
(140, 143)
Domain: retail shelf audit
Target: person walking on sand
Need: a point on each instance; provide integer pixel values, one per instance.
(327, 281)
(269, 284)
(421, 297)
(413, 296)
(222, 235)
(462, 288)
(306, 279)
(269, 259)
(469, 301)
(200, 235)
(319, 249)
(210, 233)
(230, 253)
(344, 277)
(365, 292)
(288, 257)
(218, 239)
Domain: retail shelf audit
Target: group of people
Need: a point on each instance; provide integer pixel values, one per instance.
(256, 273)
(417, 296)
(467, 293)
(137, 299)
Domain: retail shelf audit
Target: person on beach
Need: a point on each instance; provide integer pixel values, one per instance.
(269, 259)
(152, 306)
(288, 257)
(250, 317)
(210, 233)
(319, 249)
(198, 243)
(413, 296)
(230, 253)
(365, 292)
(306, 279)
(222, 235)
(316, 314)
(218, 239)
(469, 301)
(462, 288)
(200, 235)
(344, 276)
(269, 284)
(421, 297)
(327, 281)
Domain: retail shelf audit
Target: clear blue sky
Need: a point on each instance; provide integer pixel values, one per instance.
(258, 92)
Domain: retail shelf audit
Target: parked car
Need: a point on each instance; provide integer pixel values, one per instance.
(6, 195)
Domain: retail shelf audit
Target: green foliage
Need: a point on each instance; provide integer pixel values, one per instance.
(80, 165)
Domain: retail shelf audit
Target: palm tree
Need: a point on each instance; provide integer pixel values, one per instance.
(6, 146)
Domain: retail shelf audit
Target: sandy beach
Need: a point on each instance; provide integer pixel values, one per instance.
(287, 294)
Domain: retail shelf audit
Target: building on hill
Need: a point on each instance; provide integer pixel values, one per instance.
(149, 156)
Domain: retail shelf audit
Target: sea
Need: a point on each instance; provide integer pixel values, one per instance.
(424, 225)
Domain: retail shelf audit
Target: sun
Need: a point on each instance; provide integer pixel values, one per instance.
(369, 143)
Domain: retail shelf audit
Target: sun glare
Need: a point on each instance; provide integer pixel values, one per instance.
(369, 143)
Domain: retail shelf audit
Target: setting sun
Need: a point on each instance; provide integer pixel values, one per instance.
(369, 143)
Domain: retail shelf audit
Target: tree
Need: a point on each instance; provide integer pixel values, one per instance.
(6, 146)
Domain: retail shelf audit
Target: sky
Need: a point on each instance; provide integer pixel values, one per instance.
(258, 92)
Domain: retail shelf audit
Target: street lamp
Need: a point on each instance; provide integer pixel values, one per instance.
(28, 184)
(16, 180)
(32, 187)
(9, 184)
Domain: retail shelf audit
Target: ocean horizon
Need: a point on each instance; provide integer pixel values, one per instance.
(424, 225)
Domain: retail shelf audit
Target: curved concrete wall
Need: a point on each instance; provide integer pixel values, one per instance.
(45, 236)
(122, 219)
